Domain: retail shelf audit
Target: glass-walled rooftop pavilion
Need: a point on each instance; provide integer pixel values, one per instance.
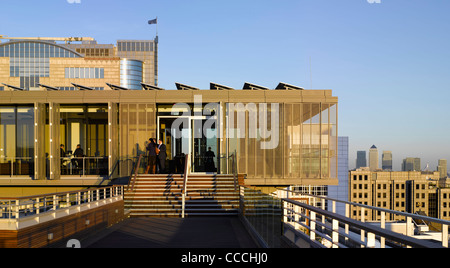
(283, 136)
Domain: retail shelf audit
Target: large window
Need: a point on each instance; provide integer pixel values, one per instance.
(291, 140)
(16, 140)
(86, 126)
(31, 59)
(89, 73)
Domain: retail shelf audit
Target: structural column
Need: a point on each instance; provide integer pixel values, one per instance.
(54, 131)
(113, 136)
(39, 141)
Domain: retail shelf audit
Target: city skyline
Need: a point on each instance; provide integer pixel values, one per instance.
(364, 154)
(383, 63)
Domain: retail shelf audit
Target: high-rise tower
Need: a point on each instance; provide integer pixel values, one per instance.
(373, 158)
(361, 160)
(386, 161)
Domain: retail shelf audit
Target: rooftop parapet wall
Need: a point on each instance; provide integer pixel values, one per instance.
(166, 96)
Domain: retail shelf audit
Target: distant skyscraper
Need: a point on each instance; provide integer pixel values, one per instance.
(442, 168)
(387, 160)
(361, 160)
(373, 158)
(411, 164)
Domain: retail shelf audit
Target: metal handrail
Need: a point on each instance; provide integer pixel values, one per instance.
(234, 170)
(185, 182)
(84, 167)
(21, 207)
(408, 216)
(385, 210)
(11, 161)
(134, 178)
(336, 219)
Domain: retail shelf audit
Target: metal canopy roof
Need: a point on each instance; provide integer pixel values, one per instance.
(150, 87)
(284, 86)
(48, 87)
(80, 87)
(185, 87)
(214, 86)
(15, 88)
(250, 86)
(116, 87)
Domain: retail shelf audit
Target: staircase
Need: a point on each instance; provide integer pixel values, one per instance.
(161, 196)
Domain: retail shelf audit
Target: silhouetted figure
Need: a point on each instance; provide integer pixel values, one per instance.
(151, 148)
(78, 158)
(162, 155)
(209, 163)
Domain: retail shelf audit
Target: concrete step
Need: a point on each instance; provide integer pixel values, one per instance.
(161, 196)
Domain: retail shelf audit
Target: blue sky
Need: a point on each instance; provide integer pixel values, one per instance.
(388, 63)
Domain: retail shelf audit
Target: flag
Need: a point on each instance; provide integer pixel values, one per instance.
(155, 21)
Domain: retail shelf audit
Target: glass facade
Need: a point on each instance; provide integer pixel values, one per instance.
(131, 74)
(136, 46)
(31, 60)
(271, 141)
(89, 73)
(17, 140)
(86, 126)
(276, 143)
(305, 148)
(137, 123)
(145, 51)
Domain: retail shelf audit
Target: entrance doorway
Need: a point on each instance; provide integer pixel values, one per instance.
(193, 135)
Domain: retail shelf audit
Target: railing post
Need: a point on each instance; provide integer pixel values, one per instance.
(363, 217)
(370, 240)
(335, 234)
(347, 214)
(38, 204)
(409, 228)
(55, 199)
(312, 226)
(183, 205)
(383, 226)
(297, 217)
(445, 235)
(17, 208)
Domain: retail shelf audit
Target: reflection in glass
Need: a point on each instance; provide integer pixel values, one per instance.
(16, 140)
(87, 126)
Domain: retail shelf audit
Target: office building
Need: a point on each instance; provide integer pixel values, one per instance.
(373, 158)
(442, 168)
(361, 160)
(412, 192)
(281, 136)
(411, 164)
(387, 160)
(33, 64)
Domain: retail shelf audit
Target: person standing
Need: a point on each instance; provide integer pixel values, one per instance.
(209, 163)
(151, 148)
(161, 157)
(62, 154)
(78, 157)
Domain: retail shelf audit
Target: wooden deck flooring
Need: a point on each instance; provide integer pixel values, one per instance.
(195, 232)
